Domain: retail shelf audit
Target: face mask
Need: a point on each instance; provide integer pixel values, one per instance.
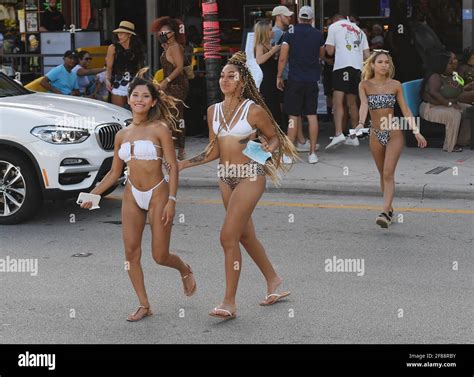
(163, 38)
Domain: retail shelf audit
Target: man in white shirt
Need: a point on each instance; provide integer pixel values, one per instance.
(350, 46)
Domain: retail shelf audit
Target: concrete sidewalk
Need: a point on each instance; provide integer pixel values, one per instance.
(351, 170)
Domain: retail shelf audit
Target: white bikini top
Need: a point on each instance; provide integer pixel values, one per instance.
(241, 128)
(142, 150)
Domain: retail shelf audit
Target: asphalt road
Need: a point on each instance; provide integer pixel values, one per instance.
(416, 285)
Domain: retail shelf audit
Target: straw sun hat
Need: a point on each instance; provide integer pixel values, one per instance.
(126, 27)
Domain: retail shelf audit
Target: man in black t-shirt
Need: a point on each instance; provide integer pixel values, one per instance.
(52, 19)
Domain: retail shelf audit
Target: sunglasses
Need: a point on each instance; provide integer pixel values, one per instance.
(380, 51)
(165, 32)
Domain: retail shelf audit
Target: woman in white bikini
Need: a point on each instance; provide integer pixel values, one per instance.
(241, 117)
(143, 146)
(378, 93)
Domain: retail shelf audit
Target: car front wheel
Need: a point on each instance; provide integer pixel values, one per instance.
(20, 194)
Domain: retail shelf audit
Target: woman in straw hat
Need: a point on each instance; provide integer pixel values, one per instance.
(124, 59)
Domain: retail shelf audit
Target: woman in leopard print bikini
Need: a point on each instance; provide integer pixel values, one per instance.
(378, 93)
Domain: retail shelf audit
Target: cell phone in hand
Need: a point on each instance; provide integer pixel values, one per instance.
(85, 197)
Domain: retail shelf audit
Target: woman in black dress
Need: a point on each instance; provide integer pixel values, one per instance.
(124, 59)
(267, 57)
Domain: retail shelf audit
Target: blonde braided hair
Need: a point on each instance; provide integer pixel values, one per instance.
(250, 91)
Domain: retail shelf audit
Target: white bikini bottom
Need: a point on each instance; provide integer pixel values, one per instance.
(143, 198)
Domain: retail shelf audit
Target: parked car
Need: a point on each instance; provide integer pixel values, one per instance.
(51, 147)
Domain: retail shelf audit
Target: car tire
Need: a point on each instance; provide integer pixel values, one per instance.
(18, 185)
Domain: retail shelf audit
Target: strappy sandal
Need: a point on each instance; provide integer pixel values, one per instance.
(226, 314)
(147, 314)
(188, 275)
(390, 214)
(383, 220)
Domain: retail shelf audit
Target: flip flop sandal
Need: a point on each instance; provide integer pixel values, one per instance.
(276, 297)
(383, 220)
(227, 314)
(147, 314)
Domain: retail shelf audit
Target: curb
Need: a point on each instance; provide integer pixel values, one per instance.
(417, 191)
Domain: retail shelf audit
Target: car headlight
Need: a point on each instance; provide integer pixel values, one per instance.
(60, 135)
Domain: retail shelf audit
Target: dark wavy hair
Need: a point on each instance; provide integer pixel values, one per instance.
(136, 46)
(174, 24)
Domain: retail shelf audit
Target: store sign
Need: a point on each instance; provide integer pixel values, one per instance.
(467, 14)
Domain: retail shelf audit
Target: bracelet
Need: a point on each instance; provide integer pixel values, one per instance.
(173, 198)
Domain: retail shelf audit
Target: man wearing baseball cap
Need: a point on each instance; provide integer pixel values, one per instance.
(61, 80)
(303, 48)
(282, 16)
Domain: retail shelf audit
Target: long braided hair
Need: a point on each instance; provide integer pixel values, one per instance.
(166, 107)
(250, 91)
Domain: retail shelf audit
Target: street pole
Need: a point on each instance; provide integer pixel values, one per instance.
(467, 24)
(212, 55)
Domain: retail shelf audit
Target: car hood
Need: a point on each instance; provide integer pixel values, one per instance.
(49, 108)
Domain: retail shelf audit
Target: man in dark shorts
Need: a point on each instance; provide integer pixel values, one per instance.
(282, 20)
(303, 46)
(349, 43)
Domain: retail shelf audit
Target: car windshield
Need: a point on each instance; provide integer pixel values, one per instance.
(10, 88)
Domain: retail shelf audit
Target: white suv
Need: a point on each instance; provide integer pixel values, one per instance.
(51, 147)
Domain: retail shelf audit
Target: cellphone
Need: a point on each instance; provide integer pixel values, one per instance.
(86, 197)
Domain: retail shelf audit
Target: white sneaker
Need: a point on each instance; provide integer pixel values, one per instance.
(287, 159)
(303, 147)
(353, 142)
(336, 142)
(306, 147)
(312, 158)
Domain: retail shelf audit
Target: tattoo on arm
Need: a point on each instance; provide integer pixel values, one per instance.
(198, 158)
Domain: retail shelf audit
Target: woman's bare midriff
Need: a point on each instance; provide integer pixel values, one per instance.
(145, 174)
(382, 118)
(230, 149)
